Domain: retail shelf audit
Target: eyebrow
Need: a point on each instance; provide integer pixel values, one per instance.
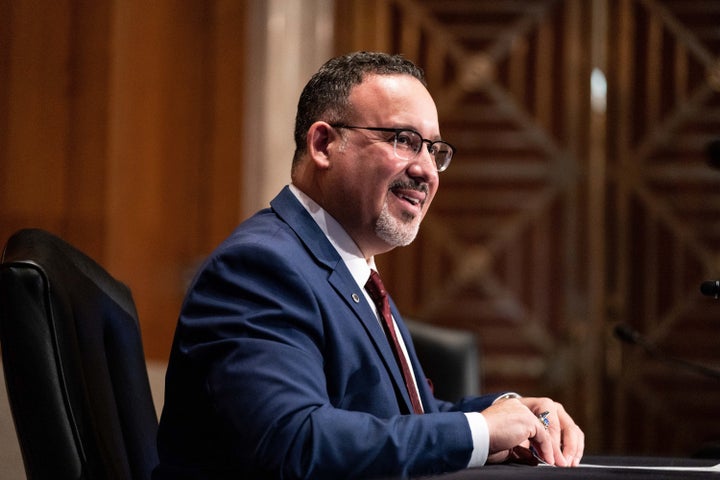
(434, 139)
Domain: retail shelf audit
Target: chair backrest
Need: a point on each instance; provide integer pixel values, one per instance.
(449, 357)
(74, 364)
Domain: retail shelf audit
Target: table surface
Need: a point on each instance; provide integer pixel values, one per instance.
(544, 472)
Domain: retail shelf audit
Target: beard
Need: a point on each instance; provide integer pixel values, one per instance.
(396, 232)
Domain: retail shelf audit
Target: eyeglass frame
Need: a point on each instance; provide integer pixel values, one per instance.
(397, 132)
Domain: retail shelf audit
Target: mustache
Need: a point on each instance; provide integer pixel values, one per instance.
(410, 184)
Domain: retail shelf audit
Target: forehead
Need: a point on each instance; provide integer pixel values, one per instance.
(400, 99)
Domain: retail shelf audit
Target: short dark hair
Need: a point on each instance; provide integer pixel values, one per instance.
(325, 97)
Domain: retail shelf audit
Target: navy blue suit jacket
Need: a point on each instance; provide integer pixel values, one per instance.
(280, 369)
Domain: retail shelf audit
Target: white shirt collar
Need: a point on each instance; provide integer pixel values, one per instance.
(350, 253)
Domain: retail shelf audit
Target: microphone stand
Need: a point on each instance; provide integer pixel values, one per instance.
(629, 335)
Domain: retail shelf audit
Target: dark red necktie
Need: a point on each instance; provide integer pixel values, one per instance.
(376, 289)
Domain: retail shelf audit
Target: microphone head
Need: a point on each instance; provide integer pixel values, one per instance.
(627, 334)
(710, 288)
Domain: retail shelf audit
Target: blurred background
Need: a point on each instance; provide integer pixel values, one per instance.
(585, 192)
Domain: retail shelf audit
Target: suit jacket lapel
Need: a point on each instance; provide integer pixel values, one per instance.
(293, 213)
(349, 292)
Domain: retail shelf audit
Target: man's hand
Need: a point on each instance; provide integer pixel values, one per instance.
(515, 422)
(568, 440)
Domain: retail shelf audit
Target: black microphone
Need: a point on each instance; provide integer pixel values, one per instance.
(713, 153)
(628, 334)
(711, 288)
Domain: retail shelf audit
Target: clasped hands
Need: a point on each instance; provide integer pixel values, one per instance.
(514, 421)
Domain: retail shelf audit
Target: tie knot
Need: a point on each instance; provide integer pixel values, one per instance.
(375, 287)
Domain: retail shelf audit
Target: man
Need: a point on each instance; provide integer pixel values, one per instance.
(281, 367)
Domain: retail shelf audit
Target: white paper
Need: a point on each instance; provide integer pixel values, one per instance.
(712, 468)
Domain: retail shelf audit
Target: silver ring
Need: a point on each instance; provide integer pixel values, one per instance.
(544, 420)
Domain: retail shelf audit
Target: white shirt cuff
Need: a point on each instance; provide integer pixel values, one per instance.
(480, 437)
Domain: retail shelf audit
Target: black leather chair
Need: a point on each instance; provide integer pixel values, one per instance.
(450, 358)
(74, 364)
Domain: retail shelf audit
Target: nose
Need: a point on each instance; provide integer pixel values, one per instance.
(423, 167)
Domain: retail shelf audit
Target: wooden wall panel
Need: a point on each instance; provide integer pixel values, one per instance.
(666, 218)
(35, 141)
(122, 132)
(155, 148)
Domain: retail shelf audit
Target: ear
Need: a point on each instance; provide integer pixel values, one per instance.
(319, 138)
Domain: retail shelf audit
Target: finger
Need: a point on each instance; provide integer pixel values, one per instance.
(560, 459)
(573, 439)
(543, 444)
(554, 426)
(573, 444)
(498, 457)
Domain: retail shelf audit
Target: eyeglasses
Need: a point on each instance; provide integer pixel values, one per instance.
(408, 143)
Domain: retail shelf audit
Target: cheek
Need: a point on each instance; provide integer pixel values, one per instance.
(431, 196)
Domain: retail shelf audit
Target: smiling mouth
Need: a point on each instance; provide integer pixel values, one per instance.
(414, 194)
(410, 200)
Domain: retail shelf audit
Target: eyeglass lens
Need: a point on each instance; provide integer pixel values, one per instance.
(408, 144)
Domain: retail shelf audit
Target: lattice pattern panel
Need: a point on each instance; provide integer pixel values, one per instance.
(665, 219)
